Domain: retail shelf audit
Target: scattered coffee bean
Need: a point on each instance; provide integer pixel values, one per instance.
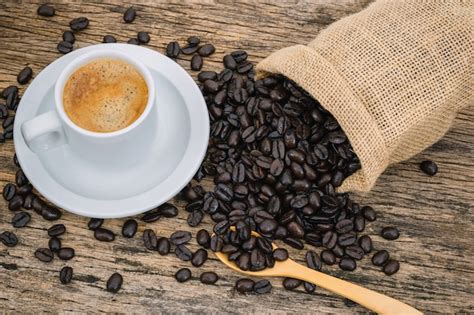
(25, 189)
(66, 253)
(151, 216)
(44, 254)
(9, 191)
(9, 90)
(20, 177)
(104, 235)
(245, 285)
(216, 243)
(3, 111)
(65, 47)
(173, 49)
(114, 283)
(94, 224)
(291, 284)
(203, 238)
(57, 230)
(65, 275)
(193, 41)
(347, 264)
(262, 287)
(168, 210)
(280, 254)
(79, 24)
(54, 244)
(189, 50)
(309, 287)
(143, 37)
(50, 213)
(429, 167)
(369, 213)
(199, 257)
(209, 277)
(150, 240)
(313, 261)
(390, 233)
(133, 41)
(183, 253)
(380, 257)
(229, 62)
(391, 267)
(15, 203)
(8, 239)
(25, 75)
(195, 218)
(365, 242)
(37, 205)
(69, 37)
(183, 275)
(196, 62)
(45, 10)
(163, 246)
(328, 257)
(206, 50)
(180, 237)
(129, 15)
(109, 39)
(129, 228)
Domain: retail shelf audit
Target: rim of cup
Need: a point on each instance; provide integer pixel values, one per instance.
(87, 58)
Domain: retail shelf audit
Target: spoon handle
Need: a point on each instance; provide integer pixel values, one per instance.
(372, 300)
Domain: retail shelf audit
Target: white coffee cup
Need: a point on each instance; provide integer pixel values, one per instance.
(54, 128)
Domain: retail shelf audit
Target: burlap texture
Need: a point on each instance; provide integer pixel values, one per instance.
(394, 75)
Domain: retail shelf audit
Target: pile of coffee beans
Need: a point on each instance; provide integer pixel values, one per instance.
(276, 157)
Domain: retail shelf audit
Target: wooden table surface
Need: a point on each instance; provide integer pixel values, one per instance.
(434, 214)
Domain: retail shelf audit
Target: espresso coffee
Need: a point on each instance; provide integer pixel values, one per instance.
(105, 95)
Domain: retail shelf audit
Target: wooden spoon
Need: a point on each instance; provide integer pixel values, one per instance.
(372, 300)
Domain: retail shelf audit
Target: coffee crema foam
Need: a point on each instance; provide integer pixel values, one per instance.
(105, 95)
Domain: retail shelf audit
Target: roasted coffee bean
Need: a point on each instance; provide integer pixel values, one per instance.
(209, 277)
(344, 226)
(268, 226)
(21, 219)
(328, 257)
(69, 37)
(54, 244)
(239, 55)
(129, 228)
(152, 216)
(330, 239)
(65, 275)
(196, 62)
(193, 40)
(109, 39)
(50, 213)
(143, 37)
(25, 189)
(45, 10)
(44, 254)
(104, 235)
(216, 243)
(203, 238)
(359, 223)
(295, 229)
(38, 205)
(11, 89)
(25, 75)
(189, 50)
(129, 15)
(262, 287)
(183, 275)
(149, 239)
(3, 111)
(245, 285)
(133, 41)
(79, 24)
(365, 242)
(244, 67)
(354, 251)
(173, 49)
(183, 253)
(66, 253)
(391, 267)
(347, 239)
(9, 191)
(114, 283)
(313, 260)
(195, 217)
(7, 123)
(309, 287)
(15, 203)
(291, 283)
(347, 264)
(429, 167)
(56, 230)
(163, 246)
(280, 254)
(65, 47)
(199, 257)
(380, 257)
(369, 213)
(207, 75)
(20, 177)
(390, 233)
(180, 237)
(8, 239)
(95, 223)
(293, 242)
(338, 251)
(229, 62)
(206, 50)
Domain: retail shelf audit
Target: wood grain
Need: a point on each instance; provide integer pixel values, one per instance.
(434, 214)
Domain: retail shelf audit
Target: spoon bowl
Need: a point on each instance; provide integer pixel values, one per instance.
(372, 300)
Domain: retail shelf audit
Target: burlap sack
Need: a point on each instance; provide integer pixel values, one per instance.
(394, 75)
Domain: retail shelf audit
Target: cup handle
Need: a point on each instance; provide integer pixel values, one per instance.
(44, 132)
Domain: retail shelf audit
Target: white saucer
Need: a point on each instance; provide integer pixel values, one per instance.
(122, 188)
